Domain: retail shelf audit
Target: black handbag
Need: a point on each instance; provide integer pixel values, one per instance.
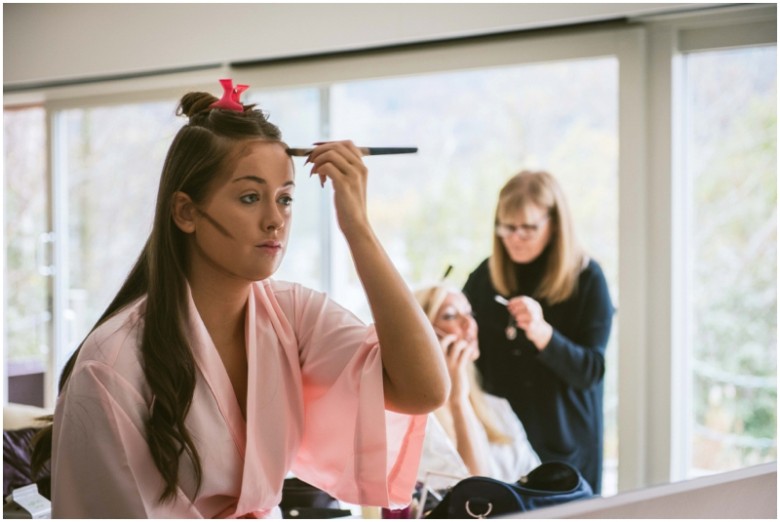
(549, 484)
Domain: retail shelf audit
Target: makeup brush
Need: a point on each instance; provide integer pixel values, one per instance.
(365, 151)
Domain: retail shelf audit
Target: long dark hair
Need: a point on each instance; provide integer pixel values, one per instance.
(200, 153)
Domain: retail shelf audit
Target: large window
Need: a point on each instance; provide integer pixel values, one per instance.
(731, 169)
(436, 208)
(599, 108)
(110, 163)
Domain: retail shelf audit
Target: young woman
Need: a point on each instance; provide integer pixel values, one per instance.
(473, 433)
(544, 350)
(205, 381)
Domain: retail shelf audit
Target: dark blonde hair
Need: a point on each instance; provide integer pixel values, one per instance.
(566, 258)
(431, 299)
(200, 153)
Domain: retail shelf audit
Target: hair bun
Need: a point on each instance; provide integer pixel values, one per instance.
(194, 103)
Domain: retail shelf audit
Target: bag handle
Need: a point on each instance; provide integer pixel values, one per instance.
(481, 515)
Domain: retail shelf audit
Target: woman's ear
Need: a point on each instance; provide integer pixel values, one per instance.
(183, 212)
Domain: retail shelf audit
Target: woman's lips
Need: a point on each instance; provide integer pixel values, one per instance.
(270, 246)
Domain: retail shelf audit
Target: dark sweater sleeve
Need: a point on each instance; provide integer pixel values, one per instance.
(579, 360)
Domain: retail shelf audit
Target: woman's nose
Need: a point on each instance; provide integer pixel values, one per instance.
(273, 220)
(465, 321)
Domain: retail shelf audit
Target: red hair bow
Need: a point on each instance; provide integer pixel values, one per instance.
(231, 97)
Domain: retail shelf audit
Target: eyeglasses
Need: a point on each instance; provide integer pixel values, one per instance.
(524, 231)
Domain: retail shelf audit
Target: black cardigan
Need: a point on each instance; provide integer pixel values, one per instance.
(557, 393)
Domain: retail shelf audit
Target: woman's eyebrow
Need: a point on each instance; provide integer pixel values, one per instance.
(260, 180)
(251, 178)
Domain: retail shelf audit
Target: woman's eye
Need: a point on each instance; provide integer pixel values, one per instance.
(448, 317)
(249, 198)
(286, 200)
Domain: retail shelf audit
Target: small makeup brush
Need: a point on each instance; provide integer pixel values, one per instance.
(365, 151)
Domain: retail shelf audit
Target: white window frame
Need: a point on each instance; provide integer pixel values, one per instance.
(665, 372)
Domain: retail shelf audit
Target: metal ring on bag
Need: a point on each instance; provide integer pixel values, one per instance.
(483, 515)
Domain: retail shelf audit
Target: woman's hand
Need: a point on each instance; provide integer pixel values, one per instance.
(342, 163)
(470, 440)
(458, 354)
(415, 374)
(529, 317)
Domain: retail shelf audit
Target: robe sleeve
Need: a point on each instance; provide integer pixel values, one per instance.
(101, 464)
(579, 360)
(351, 446)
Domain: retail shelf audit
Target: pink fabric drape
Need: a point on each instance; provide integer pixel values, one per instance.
(315, 406)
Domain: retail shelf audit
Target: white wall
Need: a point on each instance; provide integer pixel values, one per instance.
(69, 42)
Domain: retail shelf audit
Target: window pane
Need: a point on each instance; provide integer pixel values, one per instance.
(474, 130)
(113, 160)
(730, 161)
(114, 156)
(27, 253)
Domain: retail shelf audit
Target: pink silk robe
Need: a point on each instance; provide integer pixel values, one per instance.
(315, 406)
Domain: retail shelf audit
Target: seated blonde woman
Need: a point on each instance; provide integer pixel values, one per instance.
(474, 433)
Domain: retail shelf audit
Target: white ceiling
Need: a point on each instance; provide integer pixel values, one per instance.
(69, 42)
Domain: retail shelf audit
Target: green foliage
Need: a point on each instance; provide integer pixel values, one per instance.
(734, 280)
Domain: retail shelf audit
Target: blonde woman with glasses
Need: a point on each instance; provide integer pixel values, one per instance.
(544, 315)
(473, 433)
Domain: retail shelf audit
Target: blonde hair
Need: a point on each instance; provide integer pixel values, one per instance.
(566, 259)
(431, 298)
